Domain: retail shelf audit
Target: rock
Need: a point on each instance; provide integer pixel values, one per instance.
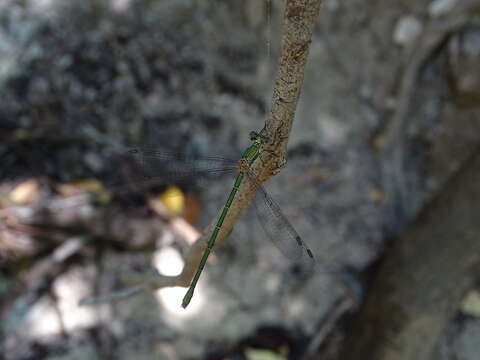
(406, 30)
(471, 304)
(438, 8)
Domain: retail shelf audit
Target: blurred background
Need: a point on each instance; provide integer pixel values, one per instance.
(388, 113)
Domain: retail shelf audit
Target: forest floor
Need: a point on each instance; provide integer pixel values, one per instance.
(389, 114)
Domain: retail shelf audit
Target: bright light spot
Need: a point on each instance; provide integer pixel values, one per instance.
(42, 5)
(48, 318)
(120, 5)
(42, 319)
(69, 289)
(171, 299)
(168, 261)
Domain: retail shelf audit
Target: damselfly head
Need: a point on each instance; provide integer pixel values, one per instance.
(254, 136)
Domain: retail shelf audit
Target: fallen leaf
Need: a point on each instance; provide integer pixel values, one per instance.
(27, 192)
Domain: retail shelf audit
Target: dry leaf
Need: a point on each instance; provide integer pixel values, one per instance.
(27, 192)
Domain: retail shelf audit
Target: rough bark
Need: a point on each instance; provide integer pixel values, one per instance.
(422, 278)
(298, 24)
(299, 21)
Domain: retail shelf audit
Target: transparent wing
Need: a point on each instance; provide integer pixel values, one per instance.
(149, 168)
(153, 163)
(199, 162)
(278, 229)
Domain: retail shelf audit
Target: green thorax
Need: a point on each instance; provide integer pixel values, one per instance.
(251, 153)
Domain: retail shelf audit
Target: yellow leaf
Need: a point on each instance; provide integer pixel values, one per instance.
(174, 200)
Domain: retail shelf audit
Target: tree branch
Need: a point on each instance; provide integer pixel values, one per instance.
(299, 20)
(422, 278)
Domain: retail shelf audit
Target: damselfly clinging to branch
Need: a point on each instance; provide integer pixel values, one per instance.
(274, 222)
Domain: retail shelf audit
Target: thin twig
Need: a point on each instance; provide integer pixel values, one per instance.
(327, 326)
